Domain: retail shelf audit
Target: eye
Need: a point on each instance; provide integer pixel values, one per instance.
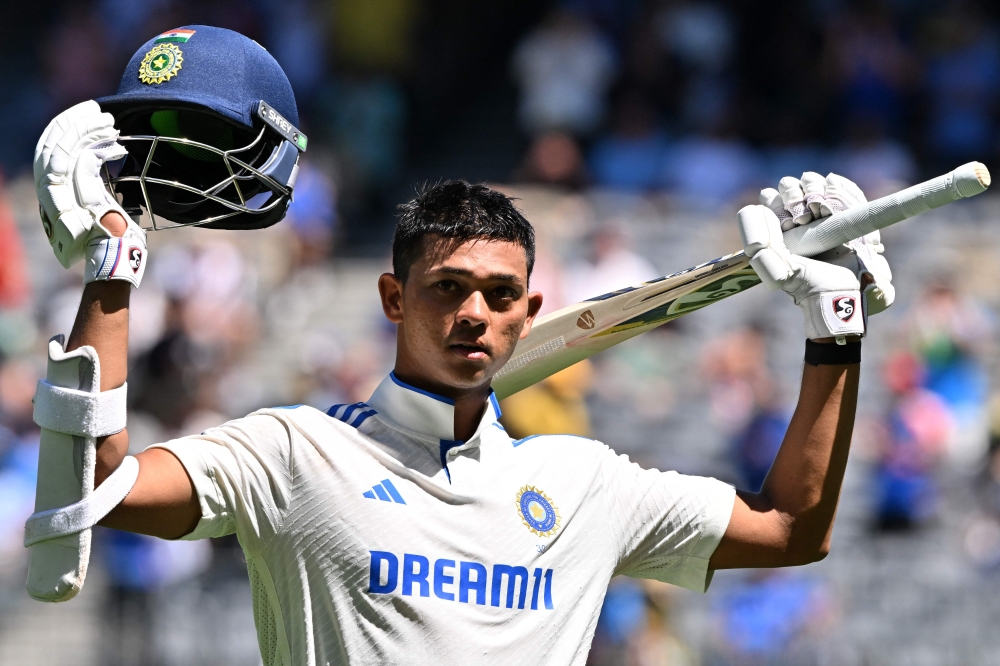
(447, 285)
(505, 293)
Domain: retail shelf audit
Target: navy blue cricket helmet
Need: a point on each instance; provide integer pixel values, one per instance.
(209, 121)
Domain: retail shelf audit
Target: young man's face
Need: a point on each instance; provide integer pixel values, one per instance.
(460, 313)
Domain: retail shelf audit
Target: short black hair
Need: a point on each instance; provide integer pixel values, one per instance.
(456, 209)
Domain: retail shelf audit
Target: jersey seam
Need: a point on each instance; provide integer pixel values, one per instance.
(607, 520)
(272, 602)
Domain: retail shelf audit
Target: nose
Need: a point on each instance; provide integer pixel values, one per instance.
(473, 310)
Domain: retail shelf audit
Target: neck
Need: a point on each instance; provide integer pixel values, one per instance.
(470, 404)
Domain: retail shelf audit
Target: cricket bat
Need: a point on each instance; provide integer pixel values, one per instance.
(567, 336)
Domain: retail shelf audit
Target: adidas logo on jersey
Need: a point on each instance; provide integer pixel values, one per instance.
(384, 491)
(419, 577)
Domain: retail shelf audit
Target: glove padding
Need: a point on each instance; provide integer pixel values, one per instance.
(829, 295)
(72, 195)
(801, 201)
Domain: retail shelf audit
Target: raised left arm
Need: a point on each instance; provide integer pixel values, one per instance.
(789, 522)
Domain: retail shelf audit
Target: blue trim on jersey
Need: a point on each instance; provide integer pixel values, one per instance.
(391, 489)
(446, 446)
(496, 404)
(346, 416)
(362, 417)
(287, 407)
(519, 442)
(499, 425)
(440, 398)
(350, 410)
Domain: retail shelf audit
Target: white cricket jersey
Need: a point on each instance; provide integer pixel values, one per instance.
(373, 537)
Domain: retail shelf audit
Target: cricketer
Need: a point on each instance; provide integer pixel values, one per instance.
(410, 528)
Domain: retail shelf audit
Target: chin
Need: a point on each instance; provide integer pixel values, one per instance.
(470, 376)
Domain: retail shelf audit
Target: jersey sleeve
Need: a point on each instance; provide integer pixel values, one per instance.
(242, 475)
(665, 525)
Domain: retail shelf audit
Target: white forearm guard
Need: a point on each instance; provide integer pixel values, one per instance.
(72, 413)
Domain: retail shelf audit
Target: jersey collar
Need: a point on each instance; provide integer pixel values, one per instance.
(422, 411)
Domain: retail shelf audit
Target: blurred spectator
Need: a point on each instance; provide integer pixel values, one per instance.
(744, 401)
(614, 17)
(709, 170)
(790, 150)
(165, 379)
(913, 437)
(553, 406)
(76, 58)
(18, 459)
(374, 35)
(701, 34)
(634, 628)
(870, 68)
(756, 447)
(878, 164)
(313, 214)
(296, 39)
(554, 158)
(772, 617)
(610, 265)
(17, 328)
(366, 118)
(962, 84)
(631, 156)
(138, 567)
(702, 37)
(735, 365)
(951, 334)
(14, 288)
(564, 69)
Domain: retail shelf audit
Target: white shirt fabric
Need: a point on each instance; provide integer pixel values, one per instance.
(372, 537)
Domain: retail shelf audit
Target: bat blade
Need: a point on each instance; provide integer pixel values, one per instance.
(567, 336)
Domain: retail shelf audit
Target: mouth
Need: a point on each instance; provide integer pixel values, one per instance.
(470, 351)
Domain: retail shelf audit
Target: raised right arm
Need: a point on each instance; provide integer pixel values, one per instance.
(163, 502)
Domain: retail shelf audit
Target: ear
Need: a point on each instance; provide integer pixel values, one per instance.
(390, 290)
(534, 305)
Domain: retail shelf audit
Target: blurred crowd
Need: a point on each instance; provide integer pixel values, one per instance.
(702, 99)
(630, 131)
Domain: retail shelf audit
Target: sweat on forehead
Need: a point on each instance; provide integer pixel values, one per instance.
(457, 210)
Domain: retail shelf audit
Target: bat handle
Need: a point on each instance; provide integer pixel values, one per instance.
(811, 239)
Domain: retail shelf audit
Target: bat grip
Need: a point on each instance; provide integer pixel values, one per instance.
(811, 239)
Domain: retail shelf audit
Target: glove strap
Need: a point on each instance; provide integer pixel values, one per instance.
(110, 258)
(821, 354)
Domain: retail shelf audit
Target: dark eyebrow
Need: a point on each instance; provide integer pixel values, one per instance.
(502, 277)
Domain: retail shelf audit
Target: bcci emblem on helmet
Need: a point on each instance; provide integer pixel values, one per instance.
(161, 63)
(844, 307)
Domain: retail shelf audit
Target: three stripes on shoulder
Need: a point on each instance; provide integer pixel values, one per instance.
(353, 415)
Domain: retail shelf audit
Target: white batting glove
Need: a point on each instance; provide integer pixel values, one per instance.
(798, 201)
(829, 295)
(73, 197)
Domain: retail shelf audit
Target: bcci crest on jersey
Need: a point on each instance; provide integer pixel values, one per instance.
(537, 511)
